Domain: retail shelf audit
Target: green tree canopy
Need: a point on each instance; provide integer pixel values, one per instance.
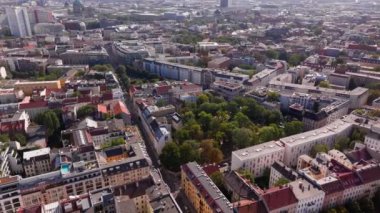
(281, 182)
(317, 148)
(342, 143)
(170, 156)
(324, 84)
(85, 111)
(273, 97)
(293, 127)
(4, 138)
(243, 137)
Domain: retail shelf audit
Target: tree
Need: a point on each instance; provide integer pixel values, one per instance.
(293, 127)
(273, 97)
(268, 133)
(354, 207)
(20, 138)
(242, 120)
(216, 156)
(50, 120)
(102, 67)
(376, 199)
(170, 156)
(4, 138)
(161, 103)
(324, 84)
(342, 143)
(281, 181)
(272, 54)
(357, 135)
(243, 137)
(210, 153)
(85, 111)
(317, 148)
(203, 98)
(246, 174)
(189, 152)
(332, 211)
(295, 59)
(204, 120)
(217, 178)
(366, 205)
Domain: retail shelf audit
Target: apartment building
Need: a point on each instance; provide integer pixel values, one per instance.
(310, 198)
(357, 97)
(36, 162)
(278, 170)
(203, 194)
(10, 198)
(174, 71)
(257, 158)
(372, 139)
(81, 178)
(302, 143)
(28, 86)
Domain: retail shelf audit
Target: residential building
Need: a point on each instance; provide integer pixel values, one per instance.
(280, 199)
(258, 158)
(36, 162)
(372, 139)
(279, 171)
(10, 194)
(203, 194)
(18, 21)
(310, 198)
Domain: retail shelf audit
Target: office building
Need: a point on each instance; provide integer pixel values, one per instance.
(18, 21)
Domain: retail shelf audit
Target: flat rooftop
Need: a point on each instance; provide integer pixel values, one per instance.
(320, 133)
(258, 150)
(31, 154)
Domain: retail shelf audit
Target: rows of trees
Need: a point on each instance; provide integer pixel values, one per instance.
(364, 205)
(229, 125)
(121, 71)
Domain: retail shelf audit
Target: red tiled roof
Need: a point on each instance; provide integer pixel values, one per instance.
(279, 198)
(249, 206)
(120, 108)
(370, 174)
(161, 90)
(210, 169)
(349, 179)
(332, 187)
(362, 47)
(34, 104)
(102, 108)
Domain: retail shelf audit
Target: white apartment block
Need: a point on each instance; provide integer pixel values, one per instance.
(18, 21)
(302, 143)
(372, 139)
(37, 162)
(310, 199)
(257, 158)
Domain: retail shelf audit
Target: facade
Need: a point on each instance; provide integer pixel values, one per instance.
(201, 191)
(174, 71)
(18, 21)
(302, 143)
(310, 198)
(36, 162)
(279, 170)
(357, 97)
(372, 139)
(10, 195)
(29, 86)
(257, 158)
